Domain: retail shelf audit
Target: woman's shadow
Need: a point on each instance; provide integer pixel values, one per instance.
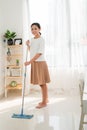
(44, 124)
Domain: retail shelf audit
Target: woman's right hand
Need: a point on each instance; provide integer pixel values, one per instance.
(28, 43)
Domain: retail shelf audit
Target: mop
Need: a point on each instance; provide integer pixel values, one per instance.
(22, 115)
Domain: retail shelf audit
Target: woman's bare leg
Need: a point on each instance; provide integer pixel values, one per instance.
(44, 90)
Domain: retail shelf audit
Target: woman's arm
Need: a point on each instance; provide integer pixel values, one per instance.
(33, 59)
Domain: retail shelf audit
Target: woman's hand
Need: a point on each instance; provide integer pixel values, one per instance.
(27, 63)
(28, 43)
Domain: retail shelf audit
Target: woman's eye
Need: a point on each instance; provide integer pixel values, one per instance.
(35, 28)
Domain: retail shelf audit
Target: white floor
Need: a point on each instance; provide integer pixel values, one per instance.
(62, 113)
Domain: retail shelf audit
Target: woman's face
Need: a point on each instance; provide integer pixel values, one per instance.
(35, 30)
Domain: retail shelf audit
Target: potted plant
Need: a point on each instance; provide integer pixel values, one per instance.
(17, 62)
(10, 36)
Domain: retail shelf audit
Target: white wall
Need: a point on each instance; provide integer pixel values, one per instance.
(11, 17)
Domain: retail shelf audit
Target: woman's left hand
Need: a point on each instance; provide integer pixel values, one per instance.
(27, 63)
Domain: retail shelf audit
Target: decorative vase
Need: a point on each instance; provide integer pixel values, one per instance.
(9, 52)
(10, 41)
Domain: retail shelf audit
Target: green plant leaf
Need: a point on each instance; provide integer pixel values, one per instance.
(9, 34)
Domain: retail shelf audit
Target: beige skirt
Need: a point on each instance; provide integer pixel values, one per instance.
(39, 73)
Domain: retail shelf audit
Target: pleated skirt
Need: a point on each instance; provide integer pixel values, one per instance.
(39, 73)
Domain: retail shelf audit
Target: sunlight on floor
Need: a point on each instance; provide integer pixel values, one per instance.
(16, 102)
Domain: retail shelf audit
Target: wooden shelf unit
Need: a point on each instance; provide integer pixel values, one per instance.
(16, 53)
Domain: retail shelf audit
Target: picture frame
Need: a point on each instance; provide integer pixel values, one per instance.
(17, 41)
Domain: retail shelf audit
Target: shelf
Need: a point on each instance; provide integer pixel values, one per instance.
(13, 71)
(15, 55)
(13, 46)
(13, 76)
(14, 66)
(19, 86)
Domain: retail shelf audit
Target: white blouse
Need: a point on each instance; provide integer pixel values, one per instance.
(37, 46)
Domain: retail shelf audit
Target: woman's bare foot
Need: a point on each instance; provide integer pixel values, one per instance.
(42, 102)
(41, 105)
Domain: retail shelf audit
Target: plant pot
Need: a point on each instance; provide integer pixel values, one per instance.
(10, 41)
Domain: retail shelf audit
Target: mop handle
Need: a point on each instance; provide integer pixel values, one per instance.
(26, 61)
(23, 91)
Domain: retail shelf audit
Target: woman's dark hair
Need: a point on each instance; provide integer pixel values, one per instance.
(37, 24)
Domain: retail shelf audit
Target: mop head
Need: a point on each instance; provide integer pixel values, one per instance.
(22, 116)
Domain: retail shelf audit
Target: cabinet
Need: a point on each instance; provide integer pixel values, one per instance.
(13, 67)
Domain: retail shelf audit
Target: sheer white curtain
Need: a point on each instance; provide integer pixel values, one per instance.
(64, 27)
(78, 20)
